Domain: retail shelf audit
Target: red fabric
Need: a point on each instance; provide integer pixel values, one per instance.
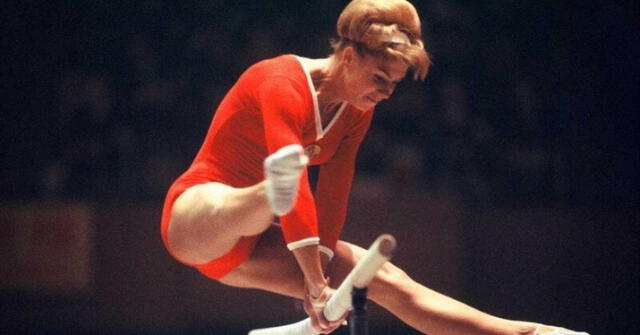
(271, 106)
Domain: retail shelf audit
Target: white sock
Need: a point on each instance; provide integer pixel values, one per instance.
(558, 331)
(282, 171)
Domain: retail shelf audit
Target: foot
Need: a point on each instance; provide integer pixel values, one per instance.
(282, 171)
(550, 330)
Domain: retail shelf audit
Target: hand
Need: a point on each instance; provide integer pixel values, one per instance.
(314, 307)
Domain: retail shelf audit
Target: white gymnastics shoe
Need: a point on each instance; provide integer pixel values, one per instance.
(557, 331)
(282, 171)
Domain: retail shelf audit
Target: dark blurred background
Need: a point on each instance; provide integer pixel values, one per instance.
(509, 176)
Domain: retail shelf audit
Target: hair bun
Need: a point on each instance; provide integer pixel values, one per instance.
(388, 26)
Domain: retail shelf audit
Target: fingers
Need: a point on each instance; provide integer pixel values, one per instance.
(319, 322)
(314, 307)
(323, 325)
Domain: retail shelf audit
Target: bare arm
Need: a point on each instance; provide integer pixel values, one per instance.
(312, 266)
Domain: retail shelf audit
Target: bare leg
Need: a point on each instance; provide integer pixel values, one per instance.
(420, 307)
(208, 219)
(271, 267)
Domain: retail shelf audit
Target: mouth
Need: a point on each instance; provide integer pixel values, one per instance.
(372, 100)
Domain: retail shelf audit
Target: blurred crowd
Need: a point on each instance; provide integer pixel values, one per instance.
(115, 97)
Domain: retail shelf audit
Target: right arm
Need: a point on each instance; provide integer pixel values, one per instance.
(282, 106)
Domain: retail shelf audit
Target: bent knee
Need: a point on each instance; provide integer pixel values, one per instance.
(391, 275)
(178, 241)
(390, 281)
(191, 228)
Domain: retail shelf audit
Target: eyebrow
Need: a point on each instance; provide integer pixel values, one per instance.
(389, 76)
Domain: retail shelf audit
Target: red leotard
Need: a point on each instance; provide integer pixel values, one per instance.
(274, 104)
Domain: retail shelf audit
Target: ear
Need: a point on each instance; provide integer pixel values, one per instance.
(348, 56)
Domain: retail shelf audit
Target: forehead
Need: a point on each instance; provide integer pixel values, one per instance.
(394, 68)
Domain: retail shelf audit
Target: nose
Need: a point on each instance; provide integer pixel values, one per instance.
(387, 89)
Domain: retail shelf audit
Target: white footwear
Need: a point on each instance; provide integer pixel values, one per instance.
(282, 171)
(558, 331)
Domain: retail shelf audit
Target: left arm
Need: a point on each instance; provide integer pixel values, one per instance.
(334, 183)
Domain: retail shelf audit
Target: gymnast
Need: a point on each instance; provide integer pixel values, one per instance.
(282, 115)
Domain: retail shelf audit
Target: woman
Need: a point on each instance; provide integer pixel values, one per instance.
(281, 115)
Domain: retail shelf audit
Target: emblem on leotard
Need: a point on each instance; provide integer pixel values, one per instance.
(312, 150)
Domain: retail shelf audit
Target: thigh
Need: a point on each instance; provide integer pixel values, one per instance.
(345, 258)
(194, 229)
(271, 267)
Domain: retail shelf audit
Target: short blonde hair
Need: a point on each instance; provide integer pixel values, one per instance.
(366, 24)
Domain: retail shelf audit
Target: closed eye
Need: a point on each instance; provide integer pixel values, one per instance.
(379, 79)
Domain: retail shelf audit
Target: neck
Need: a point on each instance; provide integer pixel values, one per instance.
(326, 79)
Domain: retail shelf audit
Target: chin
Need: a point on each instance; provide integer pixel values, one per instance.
(363, 107)
(365, 104)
